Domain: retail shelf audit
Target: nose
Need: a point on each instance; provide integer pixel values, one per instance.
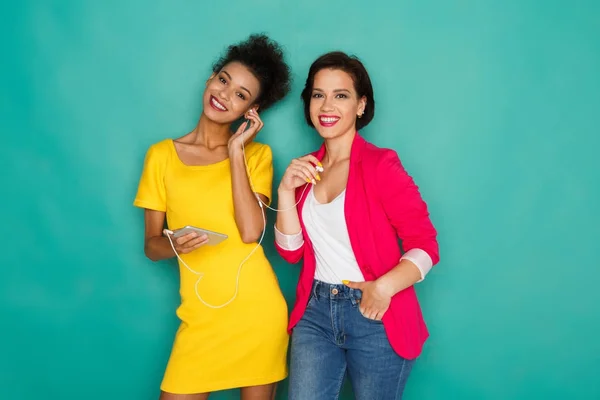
(327, 105)
(224, 94)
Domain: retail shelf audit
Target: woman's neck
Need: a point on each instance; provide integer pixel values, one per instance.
(210, 134)
(339, 148)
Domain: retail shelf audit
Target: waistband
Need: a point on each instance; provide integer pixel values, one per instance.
(335, 291)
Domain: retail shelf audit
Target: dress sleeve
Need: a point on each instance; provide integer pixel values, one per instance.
(260, 169)
(151, 193)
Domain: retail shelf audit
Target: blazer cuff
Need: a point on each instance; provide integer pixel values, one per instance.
(421, 259)
(289, 242)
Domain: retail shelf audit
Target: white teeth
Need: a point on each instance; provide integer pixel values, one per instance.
(217, 104)
(328, 119)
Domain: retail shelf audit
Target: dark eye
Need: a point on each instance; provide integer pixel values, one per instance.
(341, 96)
(317, 95)
(241, 96)
(223, 81)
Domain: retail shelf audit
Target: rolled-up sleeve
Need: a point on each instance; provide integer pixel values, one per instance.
(289, 242)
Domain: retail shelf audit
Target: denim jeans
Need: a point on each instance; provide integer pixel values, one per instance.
(333, 338)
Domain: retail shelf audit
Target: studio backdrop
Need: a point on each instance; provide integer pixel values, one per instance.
(492, 106)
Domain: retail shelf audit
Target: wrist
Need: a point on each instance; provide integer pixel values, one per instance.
(386, 286)
(282, 192)
(235, 152)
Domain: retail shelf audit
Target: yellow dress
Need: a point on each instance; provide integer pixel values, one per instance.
(244, 343)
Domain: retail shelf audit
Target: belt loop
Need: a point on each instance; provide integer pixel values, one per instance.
(315, 289)
(355, 295)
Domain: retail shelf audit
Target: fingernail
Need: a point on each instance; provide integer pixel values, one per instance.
(319, 164)
(313, 182)
(345, 282)
(307, 180)
(318, 177)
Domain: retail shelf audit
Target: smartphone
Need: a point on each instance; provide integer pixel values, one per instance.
(214, 238)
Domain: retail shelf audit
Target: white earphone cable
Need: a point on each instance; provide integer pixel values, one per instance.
(237, 279)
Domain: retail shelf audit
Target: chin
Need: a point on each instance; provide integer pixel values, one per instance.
(218, 116)
(332, 133)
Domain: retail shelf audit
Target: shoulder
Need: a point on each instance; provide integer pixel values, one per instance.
(258, 150)
(158, 154)
(161, 149)
(380, 157)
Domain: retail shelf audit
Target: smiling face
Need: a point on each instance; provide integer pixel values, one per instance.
(230, 93)
(334, 103)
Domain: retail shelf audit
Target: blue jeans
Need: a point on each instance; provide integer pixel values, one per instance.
(333, 338)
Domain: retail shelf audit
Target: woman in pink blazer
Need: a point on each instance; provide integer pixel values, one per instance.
(343, 210)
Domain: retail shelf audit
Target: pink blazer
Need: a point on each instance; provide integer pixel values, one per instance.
(382, 204)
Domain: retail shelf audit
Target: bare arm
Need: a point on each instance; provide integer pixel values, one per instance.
(248, 214)
(402, 276)
(287, 221)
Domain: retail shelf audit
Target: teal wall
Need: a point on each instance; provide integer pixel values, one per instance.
(493, 106)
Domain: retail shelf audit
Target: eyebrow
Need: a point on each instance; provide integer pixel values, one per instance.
(335, 91)
(229, 76)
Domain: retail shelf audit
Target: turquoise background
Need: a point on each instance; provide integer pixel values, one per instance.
(493, 107)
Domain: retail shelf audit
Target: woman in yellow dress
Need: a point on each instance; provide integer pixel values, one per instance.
(233, 314)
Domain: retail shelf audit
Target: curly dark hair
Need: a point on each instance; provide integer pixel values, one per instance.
(264, 58)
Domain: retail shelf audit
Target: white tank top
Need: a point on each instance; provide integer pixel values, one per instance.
(326, 227)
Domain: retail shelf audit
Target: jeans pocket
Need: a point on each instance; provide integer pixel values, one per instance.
(372, 321)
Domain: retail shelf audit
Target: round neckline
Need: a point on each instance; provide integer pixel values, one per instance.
(207, 166)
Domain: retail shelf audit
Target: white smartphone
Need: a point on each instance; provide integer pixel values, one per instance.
(214, 238)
